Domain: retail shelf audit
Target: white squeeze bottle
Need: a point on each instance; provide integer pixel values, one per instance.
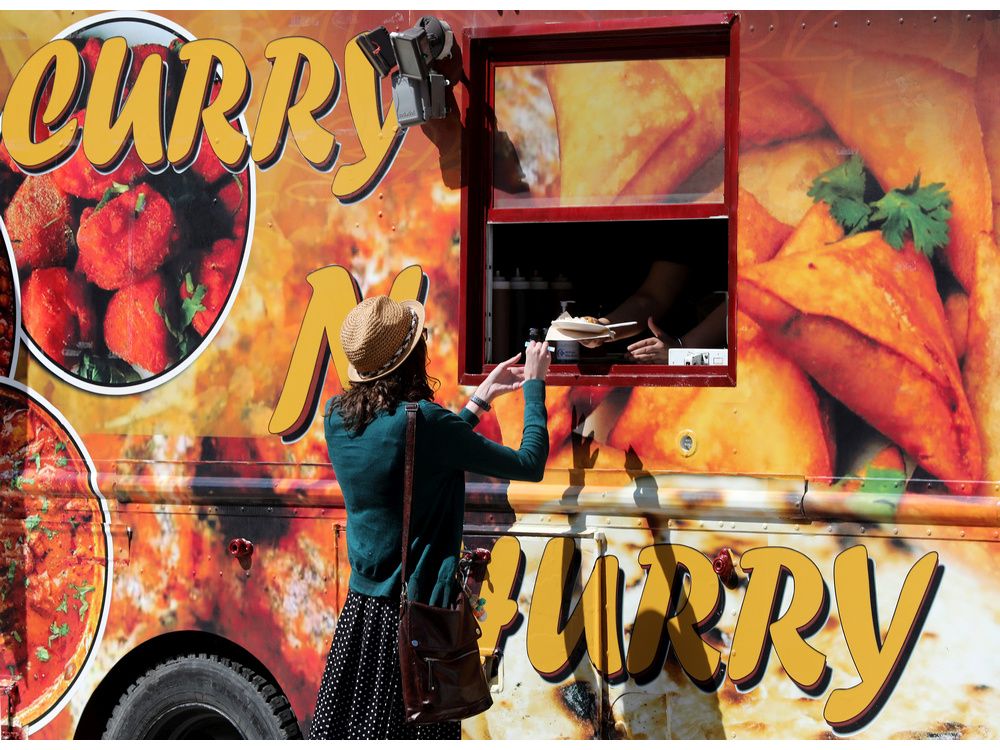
(567, 351)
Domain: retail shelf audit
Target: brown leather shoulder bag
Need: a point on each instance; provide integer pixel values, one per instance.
(443, 678)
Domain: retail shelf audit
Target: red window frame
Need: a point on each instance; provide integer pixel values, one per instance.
(484, 49)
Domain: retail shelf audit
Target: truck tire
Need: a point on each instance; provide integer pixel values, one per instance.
(202, 696)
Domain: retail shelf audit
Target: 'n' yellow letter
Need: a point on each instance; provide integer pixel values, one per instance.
(20, 114)
(380, 138)
(759, 625)
(335, 293)
(879, 666)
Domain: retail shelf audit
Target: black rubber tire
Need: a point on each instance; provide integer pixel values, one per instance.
(202, 696)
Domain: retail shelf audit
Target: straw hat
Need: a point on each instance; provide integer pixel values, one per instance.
(378, 335)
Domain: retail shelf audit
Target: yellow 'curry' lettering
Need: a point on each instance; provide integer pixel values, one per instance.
(278, 113)
(555, 640)
(380, 137)
(111, 126)
(682, 598)
(229, 144)
(108, 132)
(500, 592)
(21, 112)
(759, 625)
(695, 607)
(879, 666)
(335, 292)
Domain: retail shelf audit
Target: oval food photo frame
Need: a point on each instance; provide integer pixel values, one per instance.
(126, 277)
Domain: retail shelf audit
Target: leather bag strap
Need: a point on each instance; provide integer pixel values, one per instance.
(411, 439)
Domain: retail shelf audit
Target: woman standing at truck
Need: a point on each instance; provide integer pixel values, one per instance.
(361, 695)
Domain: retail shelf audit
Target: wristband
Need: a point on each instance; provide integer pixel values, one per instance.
(481, 403)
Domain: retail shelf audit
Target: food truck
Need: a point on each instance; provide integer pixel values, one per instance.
(790, 212)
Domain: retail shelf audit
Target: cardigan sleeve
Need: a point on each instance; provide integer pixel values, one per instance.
(458, 447)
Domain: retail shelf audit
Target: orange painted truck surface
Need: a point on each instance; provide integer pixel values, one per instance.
(796, 536)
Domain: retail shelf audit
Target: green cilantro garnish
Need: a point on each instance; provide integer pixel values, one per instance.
(843, 188)
(37, 458)
(193, 304)
(49, 533)
(73, 522)
(10, 570)
(45, 505)
(858, 205)
(17, 637)
(58, 631)
(60, 446)
(62, 461)
(921, 211)
(110, 194)
(81, 591)
(140, 204)
(105, 370)
(62, 605)
(31, 522)
(185, 336)
(42, 653)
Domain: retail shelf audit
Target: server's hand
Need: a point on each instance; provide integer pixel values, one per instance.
(537, 360)
(654, 350)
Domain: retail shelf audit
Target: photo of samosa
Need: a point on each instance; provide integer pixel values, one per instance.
(611, 118)
(866, 321)
(897, 112)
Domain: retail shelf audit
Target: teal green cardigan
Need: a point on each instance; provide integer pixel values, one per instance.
(369, 468)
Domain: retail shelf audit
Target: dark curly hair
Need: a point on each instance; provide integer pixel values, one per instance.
(359, 405)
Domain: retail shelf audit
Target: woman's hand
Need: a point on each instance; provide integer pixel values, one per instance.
(503, 379)
(651, 351)
(537, 360)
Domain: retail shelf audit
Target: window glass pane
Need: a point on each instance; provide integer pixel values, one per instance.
(614, 132)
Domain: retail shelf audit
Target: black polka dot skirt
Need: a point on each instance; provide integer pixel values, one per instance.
(361, 695)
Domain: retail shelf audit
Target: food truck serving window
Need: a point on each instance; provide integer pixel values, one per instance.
(599, 199)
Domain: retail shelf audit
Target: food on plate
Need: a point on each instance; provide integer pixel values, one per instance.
(779, 176)
(758, 233)
(58, 314)
(771, 423)
(39, 223)
(866, 321)
(8, 313)
(234, 195)
(79, 178)
(703, 83)
(208, 288)
(127, 237)
(136, 324)
(911, 106)
(108, 232)
(771, 110)
(54, 555)
(982, 356)
(611, 118)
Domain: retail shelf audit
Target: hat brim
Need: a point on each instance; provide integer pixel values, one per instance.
(355, 377)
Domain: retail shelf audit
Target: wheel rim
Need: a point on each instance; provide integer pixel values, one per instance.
(194, 721)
